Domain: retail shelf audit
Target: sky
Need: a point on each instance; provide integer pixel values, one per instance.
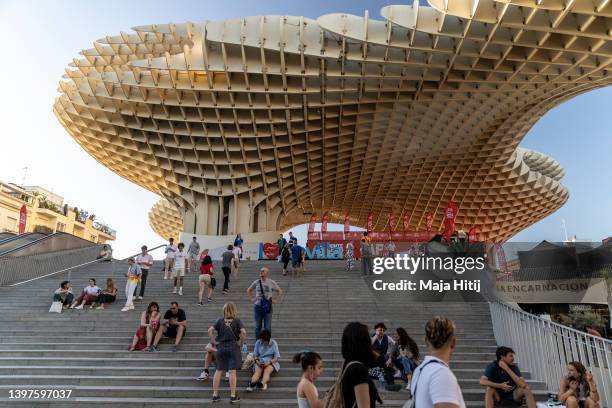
(40, 38)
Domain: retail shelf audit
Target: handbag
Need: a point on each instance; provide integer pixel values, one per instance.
(213, 282)
(265, 305)
(56, 307)
(411, 403)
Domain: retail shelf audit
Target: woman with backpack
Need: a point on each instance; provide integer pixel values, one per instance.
(433, 382)
(312, 366)
(230, 335)
(355, 386)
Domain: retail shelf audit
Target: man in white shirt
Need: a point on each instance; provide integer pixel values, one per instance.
(236, 262)
(194, 253)
(169, 261)
(145, 261)
(178, 272)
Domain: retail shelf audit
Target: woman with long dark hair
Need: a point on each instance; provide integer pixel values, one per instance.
(206, 276)
(149, 324)
(577, 389)
(357, 387)
(406, 356)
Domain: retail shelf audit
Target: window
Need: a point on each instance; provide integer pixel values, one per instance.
(61, 227)
(93, 238)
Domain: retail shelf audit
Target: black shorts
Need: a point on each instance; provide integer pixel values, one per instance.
(297, 264)
(173, 330)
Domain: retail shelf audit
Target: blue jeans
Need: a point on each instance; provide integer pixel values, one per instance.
(261, 318)
(406, 366)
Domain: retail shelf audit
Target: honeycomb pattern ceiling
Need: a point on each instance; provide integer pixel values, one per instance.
(165, 220)
(345, 113)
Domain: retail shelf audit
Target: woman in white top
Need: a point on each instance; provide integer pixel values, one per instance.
(312, 366)
(433, 383)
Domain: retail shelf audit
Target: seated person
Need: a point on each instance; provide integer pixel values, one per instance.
(381, 342)
(174, 325)
(266, 351)
(504, 383)
(106, 253)
(384, 348)
(64, 294)
(149, 325)
(108, 295)
(406, 355)
(577, 389)
(88, 296)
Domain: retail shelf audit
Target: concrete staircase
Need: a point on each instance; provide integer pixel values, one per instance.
(86, 351)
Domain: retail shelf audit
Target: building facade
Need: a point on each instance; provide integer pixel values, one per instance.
(47, 215)
(253, 124)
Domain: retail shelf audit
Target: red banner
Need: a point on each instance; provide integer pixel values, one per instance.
(324, 222)
(472, 235)
(391, 221)
(347, 223)
(449, 218)
(428, 221)
(406, 223)
(23, 218)
(311, 223)
(370, 222)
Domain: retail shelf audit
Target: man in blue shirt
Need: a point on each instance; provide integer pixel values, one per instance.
(297, 259)
(504, 383)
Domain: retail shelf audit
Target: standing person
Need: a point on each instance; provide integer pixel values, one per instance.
(133, 277)
(178, 272)
(174, 326)
(281, 242)
(267, 354)
(292, 238)
(149, 324)
(193, 253)
(577, 389)
(230, 335)
(88, 295)
(434, 384)
(312, 366)
(237, 251)
(285, 257)
(227, 258)
(263, 292)
(357, 388)
(206, 273)
(108, 295)
(238, 242)
(391, 249)
(366, 257)
(297, 259)
(145, 261)
(503, 381)
(350, 256)
(170, 251)
(64, 294)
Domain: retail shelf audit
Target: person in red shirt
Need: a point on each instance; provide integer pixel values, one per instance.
(206, 277)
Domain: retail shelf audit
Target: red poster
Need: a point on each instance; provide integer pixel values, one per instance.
(311, 224)
(23, 218)
(391, 222)
(428, 221)
(324, 222)
(449, 218)
(347, 224)
(472, 235)
(406, 223)
(370, 222)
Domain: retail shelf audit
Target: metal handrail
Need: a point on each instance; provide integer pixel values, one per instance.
(79, 266)
(544, 348)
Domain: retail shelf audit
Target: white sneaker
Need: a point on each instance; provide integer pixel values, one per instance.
(131, 307)
(80, 307)
(165, 278)
(174, 290)
(125, 309)
(203, 376)
(139, 298)
(181, 291)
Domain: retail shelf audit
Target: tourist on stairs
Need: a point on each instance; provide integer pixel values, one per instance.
(88, 296)
(267, 353)
(149, 324)
(206, 279)
(312, 366)
(263, 292)
(133, 277)
(108, 295)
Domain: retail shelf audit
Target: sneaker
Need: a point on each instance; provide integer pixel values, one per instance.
(216, 398)
(250, 387)
(79, 307)
(165, 278)
(152, 349)
(393, 387)
(203, 376)
(174, 348)
(264, 387)
(210, 299)
(200, 304)
(139, 298)
(100, 308)
(234, 399)
(125, 309)
(174, 290)
(180, 291)
(131, 307)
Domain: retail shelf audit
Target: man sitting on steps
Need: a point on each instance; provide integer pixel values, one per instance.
(503, 381)
(173, 325)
